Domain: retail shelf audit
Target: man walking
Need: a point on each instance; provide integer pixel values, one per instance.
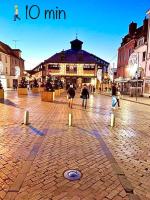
(16, 15)
(84, 96)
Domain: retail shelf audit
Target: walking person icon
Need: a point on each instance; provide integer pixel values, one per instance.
(16, 13)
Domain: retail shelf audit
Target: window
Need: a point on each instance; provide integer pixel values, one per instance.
(144, 56)
(53, 66)
(140, 42)
(88, 67)
(0, 57)
(71, 69)
(6, 59)
(6, 70)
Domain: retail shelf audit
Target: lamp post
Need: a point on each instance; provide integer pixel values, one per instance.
(136, 76)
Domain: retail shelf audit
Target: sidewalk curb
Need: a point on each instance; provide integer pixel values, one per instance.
(128, 100)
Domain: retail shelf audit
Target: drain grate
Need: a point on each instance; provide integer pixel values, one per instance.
(72, 175)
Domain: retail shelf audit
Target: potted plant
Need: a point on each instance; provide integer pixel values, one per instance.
(35, 87)
(22, 89)
(48, 94)
(1, 91)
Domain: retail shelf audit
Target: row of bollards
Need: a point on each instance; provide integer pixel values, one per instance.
(112, 119)
(26, 118)
(70, 119)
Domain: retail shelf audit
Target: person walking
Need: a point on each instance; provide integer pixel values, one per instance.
(118, 96)
(71, 95)
(16, 13)
(114, 93)
(84, 96)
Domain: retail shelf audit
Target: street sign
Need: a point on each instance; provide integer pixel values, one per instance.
(133, 65)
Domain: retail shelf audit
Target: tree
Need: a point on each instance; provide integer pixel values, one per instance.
(49, 86)
(35, 84)
(23, 83)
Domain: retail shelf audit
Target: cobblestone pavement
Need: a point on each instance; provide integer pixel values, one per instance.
(114, 162)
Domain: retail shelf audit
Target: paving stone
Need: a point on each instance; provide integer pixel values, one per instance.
(44, 159)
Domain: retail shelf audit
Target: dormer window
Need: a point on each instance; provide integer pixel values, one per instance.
(140, 42)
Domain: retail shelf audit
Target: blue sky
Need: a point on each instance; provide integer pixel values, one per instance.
(99, 24)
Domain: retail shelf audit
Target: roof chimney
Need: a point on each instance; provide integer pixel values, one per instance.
(132, 28)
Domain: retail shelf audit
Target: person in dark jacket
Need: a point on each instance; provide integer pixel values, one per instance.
(114, 90)
(84, 96)
(114, 93)
(71, 95)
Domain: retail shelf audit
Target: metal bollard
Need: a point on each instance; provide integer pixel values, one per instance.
(70, 119)
(112, 122)
(26, 117)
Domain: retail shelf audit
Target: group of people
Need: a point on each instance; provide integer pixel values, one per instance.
(84, 95)
(115, 96)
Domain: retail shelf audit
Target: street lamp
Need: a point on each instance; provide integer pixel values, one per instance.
(136, 76)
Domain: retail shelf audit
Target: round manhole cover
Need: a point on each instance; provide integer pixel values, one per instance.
(72, 175)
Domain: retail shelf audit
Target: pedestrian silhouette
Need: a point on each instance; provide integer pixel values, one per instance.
(16, 14)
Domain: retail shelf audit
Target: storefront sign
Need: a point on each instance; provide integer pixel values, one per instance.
(133, 65)
(99, 74)
(111, 72)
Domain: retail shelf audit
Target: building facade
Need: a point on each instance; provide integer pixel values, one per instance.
(11, 65)
(147, 70)
(131, 67)
(74, 65)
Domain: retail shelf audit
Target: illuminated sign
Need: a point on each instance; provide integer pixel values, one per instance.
(99, 74)
(133, 64)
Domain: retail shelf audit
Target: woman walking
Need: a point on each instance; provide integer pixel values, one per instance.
(71, 95)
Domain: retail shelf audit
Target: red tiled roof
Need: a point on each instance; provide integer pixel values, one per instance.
(8, 50)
